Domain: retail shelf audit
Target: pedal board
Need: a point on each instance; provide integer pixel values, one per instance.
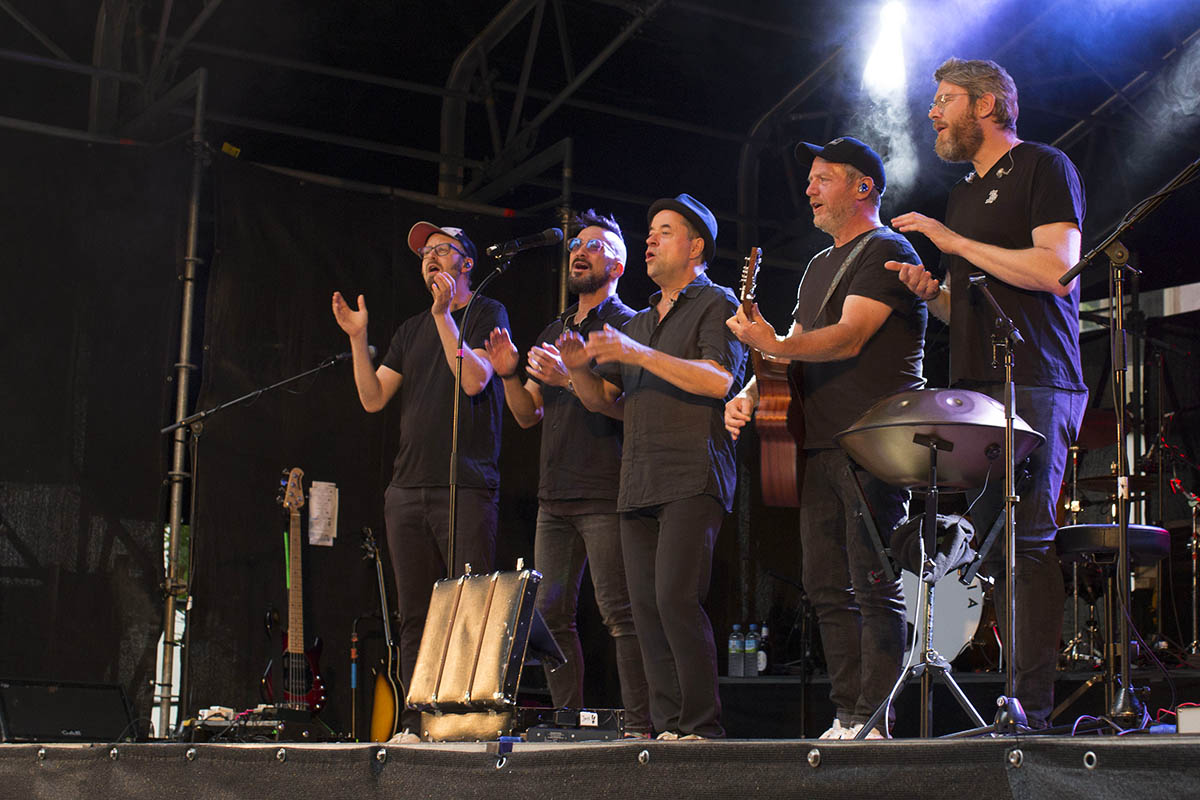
(270, 725)
(570, 725)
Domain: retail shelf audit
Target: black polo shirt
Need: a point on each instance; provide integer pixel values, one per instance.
(676, 445)
(426, 398)
(581, 450)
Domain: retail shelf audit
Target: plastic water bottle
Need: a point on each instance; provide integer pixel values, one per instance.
(764, 650)
(750, 670)
(737, 651)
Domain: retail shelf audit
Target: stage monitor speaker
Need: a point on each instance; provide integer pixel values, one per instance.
(47, 711)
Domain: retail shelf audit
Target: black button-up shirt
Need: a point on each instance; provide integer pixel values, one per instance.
(676, 445)
(581, 450)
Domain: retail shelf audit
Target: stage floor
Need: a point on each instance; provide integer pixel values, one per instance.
(1142, 766)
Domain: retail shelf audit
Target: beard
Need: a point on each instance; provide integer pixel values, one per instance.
(835, 218)
(587, 282)
(963, 140)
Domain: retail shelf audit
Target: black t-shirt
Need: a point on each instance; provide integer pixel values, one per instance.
(676, 445)
(581, 450)
(837, 393)
(426, 398)
(1037, 186)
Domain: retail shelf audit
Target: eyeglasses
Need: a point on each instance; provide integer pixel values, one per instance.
(594, 245)
(942, 100)
(441, 250)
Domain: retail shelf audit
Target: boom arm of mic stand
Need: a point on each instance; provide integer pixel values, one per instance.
(1139, 212)
(254, 395)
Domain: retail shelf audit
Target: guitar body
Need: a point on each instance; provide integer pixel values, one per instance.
(779, 419)
(779, 422)
(389, 694)
(303, 688)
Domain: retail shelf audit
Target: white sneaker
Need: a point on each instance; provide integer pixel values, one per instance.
(835, 732)
(667, 736)
(853, 731)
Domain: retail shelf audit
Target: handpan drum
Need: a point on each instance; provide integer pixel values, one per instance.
(881, 441)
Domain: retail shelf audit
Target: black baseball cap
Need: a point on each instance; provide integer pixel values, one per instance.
(694, 212)
(846, 150)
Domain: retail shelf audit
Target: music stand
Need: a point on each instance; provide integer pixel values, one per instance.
(933, 440)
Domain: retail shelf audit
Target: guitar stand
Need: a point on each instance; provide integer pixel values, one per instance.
(932, 663)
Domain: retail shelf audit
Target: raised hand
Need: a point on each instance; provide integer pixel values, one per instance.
(918, 279)
(610, 345)
(353, 322)
(442, 286)
(738, 412)
(571, 350)
(501, 352)
(545, 364)
(942, 237)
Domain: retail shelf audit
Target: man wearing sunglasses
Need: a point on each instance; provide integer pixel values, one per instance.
(670, 372)
(1017, 219)
(419, 369)
(577, 521)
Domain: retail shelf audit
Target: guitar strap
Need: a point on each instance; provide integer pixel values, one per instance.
(837, 278)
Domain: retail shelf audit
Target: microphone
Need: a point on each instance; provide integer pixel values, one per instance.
(547, 237)
(346, 356)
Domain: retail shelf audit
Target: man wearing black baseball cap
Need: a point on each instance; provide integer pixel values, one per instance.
(419, 369)
(854, 340)
(670, 372)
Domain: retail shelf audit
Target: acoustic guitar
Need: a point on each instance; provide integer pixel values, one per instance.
(389, 687)
(779, 419)
(303, 689)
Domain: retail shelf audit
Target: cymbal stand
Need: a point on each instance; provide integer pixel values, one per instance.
(1071, 651)
(932, 663)
(1125, 709)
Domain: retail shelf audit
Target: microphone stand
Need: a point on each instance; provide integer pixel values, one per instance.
(503, 263)
(195, 425)
(1010, 716)
(1125, 709)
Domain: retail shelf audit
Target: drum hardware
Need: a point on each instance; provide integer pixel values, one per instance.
(1102, 545)
(932, 440)
(1124, 708)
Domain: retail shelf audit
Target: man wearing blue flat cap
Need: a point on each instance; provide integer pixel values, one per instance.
(670, 372)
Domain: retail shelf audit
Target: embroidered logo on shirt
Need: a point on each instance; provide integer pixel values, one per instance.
(991, 198)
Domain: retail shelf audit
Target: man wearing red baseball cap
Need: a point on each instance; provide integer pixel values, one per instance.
(419, 369)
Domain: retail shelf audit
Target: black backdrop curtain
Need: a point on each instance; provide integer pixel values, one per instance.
(90, 242)
(282, 247)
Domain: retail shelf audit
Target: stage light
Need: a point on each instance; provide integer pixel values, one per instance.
(884, 73)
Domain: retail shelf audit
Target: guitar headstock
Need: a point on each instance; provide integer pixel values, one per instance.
(750, 277)
(292, 497)
(369, 546)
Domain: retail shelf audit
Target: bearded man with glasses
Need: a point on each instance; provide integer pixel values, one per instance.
(578, 524)
(419, 368)
(1017, 217)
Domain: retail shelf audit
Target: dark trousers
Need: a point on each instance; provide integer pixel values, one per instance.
(668, 562)
(417, 526)
(862, 622)
(1056, 414)
(563, 546)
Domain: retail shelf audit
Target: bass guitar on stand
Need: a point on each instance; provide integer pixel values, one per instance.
(303, 689)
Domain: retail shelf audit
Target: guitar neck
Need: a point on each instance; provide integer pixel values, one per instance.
(383, 604)
(295, 588)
